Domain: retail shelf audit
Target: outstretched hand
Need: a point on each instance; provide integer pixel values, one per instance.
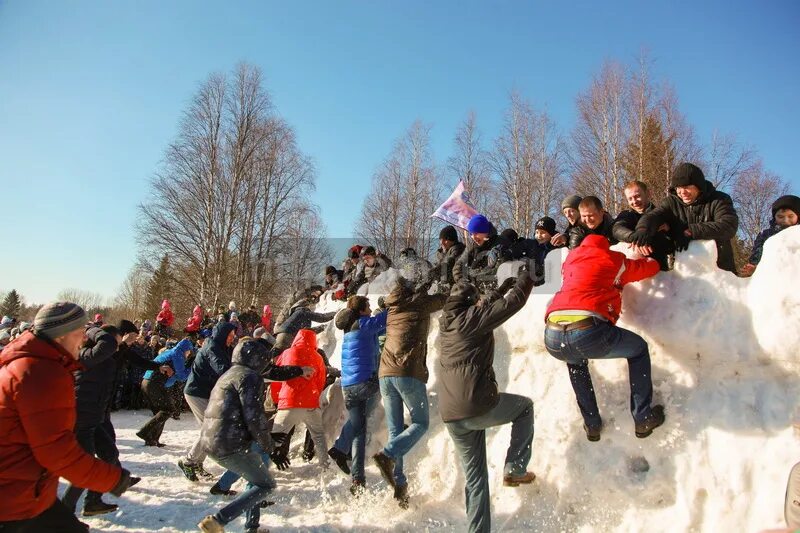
(166, 370)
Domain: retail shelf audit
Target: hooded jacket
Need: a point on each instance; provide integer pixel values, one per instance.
(300, 317)
(594, 276)
(408, 321)
(360, 349)
(165, 316)
(37, 418)
(442, 271)
(175, 358)
(195, 321)
(235, 416)
(710, 217)
(266, 319)
(467, 384)
(300, 392)
(212, 360)
(94, 383)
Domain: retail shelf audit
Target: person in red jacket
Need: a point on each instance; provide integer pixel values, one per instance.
(194, 322)
(165, 319)
(37, 417)
(581, 324)
(298, 399)
(266, 319)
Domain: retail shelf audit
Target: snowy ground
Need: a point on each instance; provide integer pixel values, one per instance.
(725, 365)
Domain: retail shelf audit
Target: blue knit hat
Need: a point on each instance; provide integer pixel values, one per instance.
(479, 224)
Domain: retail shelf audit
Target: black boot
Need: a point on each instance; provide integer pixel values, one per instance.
(308, 448)
(386, 467)
(96, 507)
(401, 495)
(340, 459)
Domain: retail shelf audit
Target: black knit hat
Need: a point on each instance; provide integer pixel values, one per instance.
(449, 233)
(126, 326)
(509, 234)
(547, 224)
(687, 174)
(788, 201)
(571, 201)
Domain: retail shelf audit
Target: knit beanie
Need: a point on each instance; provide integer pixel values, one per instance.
(57, 319)
(789, 201)
(126, 326)
(479, 224)
(571, 201)
(547, 224)
(510, 235)
(449, 233)
(687, 174)
(330, 270)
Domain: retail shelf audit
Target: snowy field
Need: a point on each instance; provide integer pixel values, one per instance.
(725, 365)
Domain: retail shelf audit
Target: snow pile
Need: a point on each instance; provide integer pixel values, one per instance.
(724, 353)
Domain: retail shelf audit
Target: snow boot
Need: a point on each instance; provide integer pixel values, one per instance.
(510, 480)
(216, 490)
(308, 448)
(134, 481)
(203, 472)
(189, 470)
(386, 467)
(340, 459)
(209, 524)
(98, 507)
(593, 433)
(401, 495)
(653, 420)
(358, 488)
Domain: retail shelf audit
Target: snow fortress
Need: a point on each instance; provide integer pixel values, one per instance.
(725, 365)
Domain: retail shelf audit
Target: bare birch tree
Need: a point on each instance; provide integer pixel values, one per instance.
(469, 163)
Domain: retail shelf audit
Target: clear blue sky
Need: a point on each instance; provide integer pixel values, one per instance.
(91, 92)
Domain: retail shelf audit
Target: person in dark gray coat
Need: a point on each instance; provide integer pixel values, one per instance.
(299, 317)
(236, 432)
(469, 401)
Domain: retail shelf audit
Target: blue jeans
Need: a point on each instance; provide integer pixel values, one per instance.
(252, 466)
(396, 392)
(469, 436)
(229, 477)
(603, 341)
(357, 400)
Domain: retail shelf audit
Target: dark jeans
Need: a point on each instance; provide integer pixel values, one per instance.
(469, 436)
(252, 466)
(603, 341)
(162, 405)
(96, 440)
(56, 519)
(357, 400)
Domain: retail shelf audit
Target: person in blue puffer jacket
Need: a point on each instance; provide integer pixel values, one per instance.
(360, 359)
(155, 385)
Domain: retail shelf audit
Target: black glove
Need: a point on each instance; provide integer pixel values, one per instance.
(639, 238)
(507, 285)
(662, 258)
(123, 484)
(681, 241)
(280, 459)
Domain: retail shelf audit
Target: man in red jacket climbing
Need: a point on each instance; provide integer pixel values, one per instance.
(581, 324)
(37, 416)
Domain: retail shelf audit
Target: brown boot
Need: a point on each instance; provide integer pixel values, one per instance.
(653, 420)
(515, 481)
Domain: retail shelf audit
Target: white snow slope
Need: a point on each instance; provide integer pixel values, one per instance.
(724, 353)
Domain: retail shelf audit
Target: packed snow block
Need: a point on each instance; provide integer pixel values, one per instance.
(774, 297)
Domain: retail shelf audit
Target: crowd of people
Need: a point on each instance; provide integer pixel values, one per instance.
(249, 380)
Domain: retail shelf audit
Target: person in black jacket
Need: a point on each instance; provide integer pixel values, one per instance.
(450, 249)
(664, 243)
(299, 317)
(105, 350)
(703, 212)
(785, 213)
(469, 401)
(211, 361)
(594, 221)
(569, 208)
(480, 261)
(236, 432)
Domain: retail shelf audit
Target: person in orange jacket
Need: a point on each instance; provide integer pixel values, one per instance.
(38, 445)
(298, 399)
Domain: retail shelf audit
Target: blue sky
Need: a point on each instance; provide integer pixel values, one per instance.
(91, 94)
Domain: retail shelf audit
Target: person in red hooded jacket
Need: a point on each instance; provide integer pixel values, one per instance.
(581, 324)
(266, 319)
(195, 321)
(298, 399)
(165, 319)
(37, 417)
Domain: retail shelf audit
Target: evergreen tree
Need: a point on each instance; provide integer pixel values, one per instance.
(12, 304)
(158, 288)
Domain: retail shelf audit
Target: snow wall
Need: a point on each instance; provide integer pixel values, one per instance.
(725, 365)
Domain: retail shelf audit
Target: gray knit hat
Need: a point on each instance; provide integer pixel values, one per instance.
(57, 319)
(571, 201)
